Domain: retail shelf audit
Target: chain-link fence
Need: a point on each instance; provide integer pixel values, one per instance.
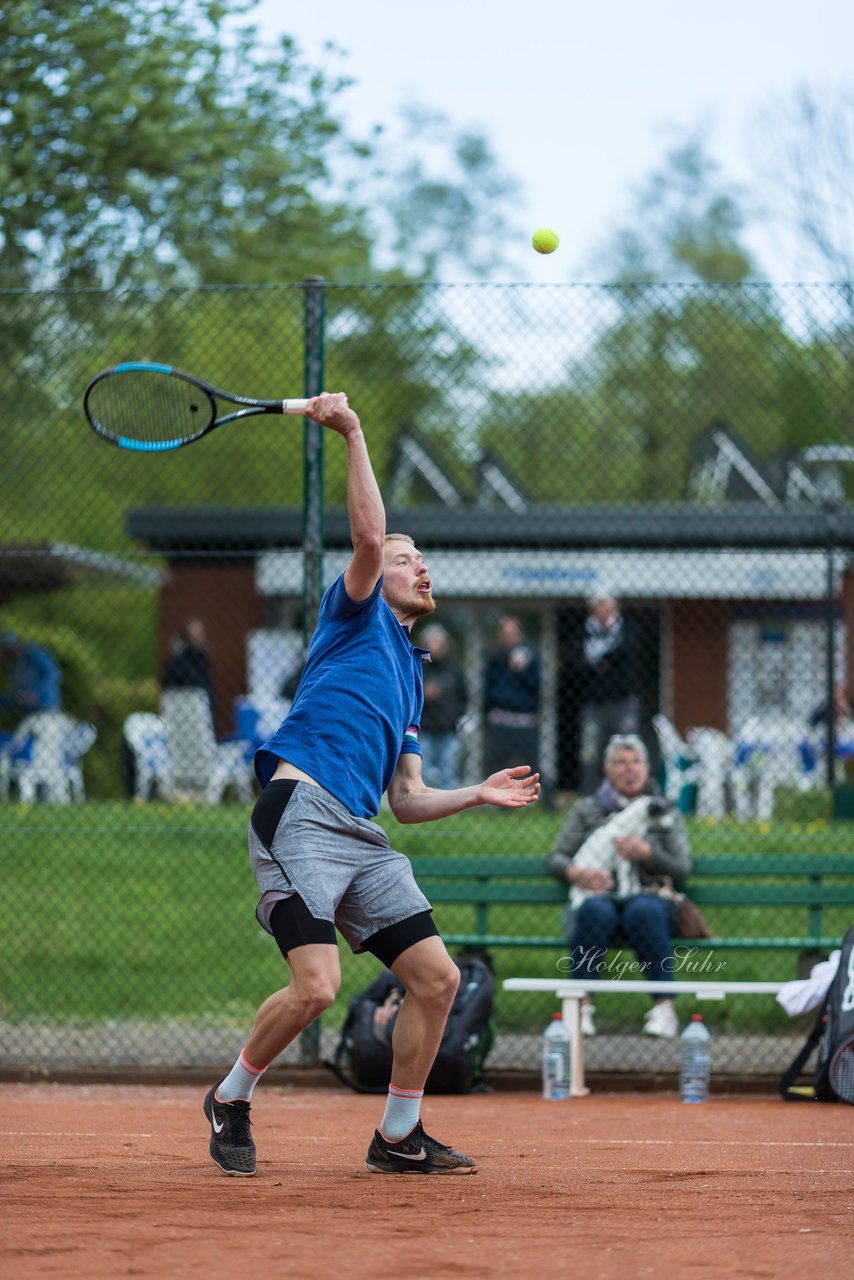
(634, 506)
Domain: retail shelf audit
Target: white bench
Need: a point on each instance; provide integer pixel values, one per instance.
(571, 992)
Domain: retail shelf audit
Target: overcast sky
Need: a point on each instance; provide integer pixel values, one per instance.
(580, 101)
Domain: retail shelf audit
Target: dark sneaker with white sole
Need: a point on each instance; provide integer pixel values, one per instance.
(232, 1147)
(416, 1153)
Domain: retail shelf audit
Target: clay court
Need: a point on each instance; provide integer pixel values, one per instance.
(105, 1181)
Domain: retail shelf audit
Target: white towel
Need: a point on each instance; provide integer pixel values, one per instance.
(807, 993)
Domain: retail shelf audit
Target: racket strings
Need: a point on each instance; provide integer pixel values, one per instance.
(841, 1073)
(150, 408)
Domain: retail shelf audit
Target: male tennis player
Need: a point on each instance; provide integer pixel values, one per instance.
(320, 862)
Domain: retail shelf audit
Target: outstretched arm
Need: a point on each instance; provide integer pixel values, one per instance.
(364, 501)
(412, 801)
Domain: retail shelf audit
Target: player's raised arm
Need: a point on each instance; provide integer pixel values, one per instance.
(364, 501)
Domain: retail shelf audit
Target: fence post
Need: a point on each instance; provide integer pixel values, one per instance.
(830, 659)
(312, 522)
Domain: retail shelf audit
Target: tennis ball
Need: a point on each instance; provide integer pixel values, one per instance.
(545, 240)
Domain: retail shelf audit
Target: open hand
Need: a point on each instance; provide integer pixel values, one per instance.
(511, 788)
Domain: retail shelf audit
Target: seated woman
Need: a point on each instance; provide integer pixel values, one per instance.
(613, 877)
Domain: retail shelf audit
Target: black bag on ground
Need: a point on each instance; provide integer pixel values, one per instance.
(833, 1078)
(363, 1056)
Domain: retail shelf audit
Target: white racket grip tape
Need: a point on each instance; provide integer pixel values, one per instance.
(294, 406)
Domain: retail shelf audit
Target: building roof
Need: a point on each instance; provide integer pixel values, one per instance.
(179, 531)
(564, 574)
(35, 569)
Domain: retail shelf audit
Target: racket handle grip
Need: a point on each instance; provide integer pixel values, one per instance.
(294, 406)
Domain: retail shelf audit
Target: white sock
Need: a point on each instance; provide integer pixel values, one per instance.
(402, 1110)
(240, 1081)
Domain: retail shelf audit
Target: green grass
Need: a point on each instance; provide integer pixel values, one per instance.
(113, 911)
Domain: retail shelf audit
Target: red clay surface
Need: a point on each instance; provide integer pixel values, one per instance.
(109, 1181)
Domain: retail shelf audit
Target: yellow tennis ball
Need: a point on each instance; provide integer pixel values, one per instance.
(545, 240)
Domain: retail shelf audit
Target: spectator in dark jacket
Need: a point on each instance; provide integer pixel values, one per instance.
(445, 700)
(188, 665)
(511, 698)
(609, 701)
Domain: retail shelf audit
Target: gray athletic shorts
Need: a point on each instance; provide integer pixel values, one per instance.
(342, 867)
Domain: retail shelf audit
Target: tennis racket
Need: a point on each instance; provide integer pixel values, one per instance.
(841, 1072)
(153, 407)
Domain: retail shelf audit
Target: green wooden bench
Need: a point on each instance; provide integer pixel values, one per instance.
(736, 882)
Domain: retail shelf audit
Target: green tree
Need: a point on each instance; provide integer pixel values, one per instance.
(672, 358)
(440, 199)
(623, 423)
(803, 146)
(142, 142)
(157, 141)
(152, 146)
(684, 226)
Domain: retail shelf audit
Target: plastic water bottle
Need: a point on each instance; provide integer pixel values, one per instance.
(696, 1061)
(556, 1060)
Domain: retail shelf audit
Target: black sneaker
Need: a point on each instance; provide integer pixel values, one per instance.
(232, 1147)
(416, 1153)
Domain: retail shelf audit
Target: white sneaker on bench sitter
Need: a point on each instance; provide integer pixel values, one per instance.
(661, 1021)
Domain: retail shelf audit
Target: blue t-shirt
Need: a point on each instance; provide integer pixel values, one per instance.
(358, 705)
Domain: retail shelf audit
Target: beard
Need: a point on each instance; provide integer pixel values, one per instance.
(424, 606)
(414, 605)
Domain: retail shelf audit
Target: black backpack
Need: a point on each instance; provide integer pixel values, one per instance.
(833, 1078)
(363, 1056)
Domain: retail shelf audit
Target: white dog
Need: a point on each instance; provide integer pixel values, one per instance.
(598, 849)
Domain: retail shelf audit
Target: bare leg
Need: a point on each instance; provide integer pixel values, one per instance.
(431, 979)
(315, 979)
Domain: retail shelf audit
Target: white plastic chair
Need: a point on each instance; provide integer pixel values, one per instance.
(681, 767)
(769, 749)
(257, 719)
(148, 739)
(201, 764)
(53, 769)
(14, 749)
(715, 753)
(82, 736)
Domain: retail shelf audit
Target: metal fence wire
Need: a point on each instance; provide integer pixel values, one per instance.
(635, 504)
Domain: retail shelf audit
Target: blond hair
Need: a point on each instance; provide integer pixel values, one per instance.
(399, 537)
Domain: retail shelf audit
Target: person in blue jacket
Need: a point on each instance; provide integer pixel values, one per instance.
(35, 678)
(320, 861)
